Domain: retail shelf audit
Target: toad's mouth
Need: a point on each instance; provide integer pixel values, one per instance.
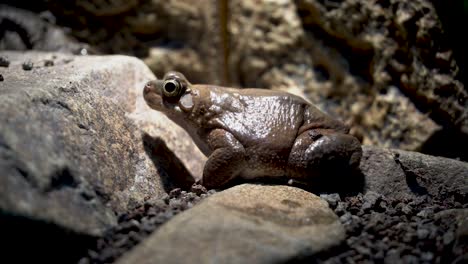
(153, 95)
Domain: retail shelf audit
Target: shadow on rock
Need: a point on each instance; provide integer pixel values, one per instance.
(172, 171)
(448, 143)
(29, 241)
(345, 182)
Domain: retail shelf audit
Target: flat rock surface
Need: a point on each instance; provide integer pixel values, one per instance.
(402, 174)
(244, 224)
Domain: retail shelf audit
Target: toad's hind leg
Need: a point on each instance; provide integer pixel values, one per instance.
(321, 151)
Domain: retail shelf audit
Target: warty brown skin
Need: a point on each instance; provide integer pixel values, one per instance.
(252, 133)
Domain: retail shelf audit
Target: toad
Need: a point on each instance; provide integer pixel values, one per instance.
(252, 133)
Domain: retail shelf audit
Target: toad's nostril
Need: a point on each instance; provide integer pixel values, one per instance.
(147, 88)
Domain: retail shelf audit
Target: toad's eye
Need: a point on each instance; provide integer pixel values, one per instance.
(172, 88)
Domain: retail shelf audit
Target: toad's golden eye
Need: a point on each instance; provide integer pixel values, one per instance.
(172, 88)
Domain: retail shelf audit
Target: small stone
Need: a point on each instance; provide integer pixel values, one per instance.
(166, 198)
(340, 208)
(353, 224)
(176, 204)
(121, 242)
(363, 250)
(346, 218)
(147, 225)
(409, 237)
(93, 254)
(151, 211)
(130, 225)
(27, 66)
(84, 261)
(153, 202)
(48, 63)
(410, 259)
(407, 209)
(374, 222)
(379, 255)
(160, 219)
(370, 200)
(123, 217)
(427, 256)
(332, 199)
(175, 193)
(403, 208)
(425, 213)
(4, 62)
(107, 255)
(393, 256)
(198, 189)
(448, 237)
(422, 233)
(189, 196)
(134, 236)
(383, 205)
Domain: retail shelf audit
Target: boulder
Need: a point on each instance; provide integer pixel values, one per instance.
(76, 143)
(244, 224)
(398, 174)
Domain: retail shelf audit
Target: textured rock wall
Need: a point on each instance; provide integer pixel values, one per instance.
(385, 67)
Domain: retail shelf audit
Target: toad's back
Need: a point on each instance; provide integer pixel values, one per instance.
(257, 117)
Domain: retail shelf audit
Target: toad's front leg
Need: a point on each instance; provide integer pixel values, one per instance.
(225, 162)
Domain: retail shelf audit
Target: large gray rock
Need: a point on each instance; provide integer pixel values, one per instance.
(71, 151)
(399, 174)
(244, 224)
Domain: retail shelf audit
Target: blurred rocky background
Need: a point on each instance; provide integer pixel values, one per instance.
(86, 165)
(392, 69)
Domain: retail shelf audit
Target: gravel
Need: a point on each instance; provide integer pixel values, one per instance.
(140, 222)
(379, 229)
(382, 230)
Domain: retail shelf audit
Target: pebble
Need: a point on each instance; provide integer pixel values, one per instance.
(175, 193)
(48, 63)
(4, 62)
(394, 231)
(422, 233)
(427, 256)
(198, 189)
(370, 200)
(332, 199)
(27, 66)
(448, 238)
(136, 225)
(426, 212)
